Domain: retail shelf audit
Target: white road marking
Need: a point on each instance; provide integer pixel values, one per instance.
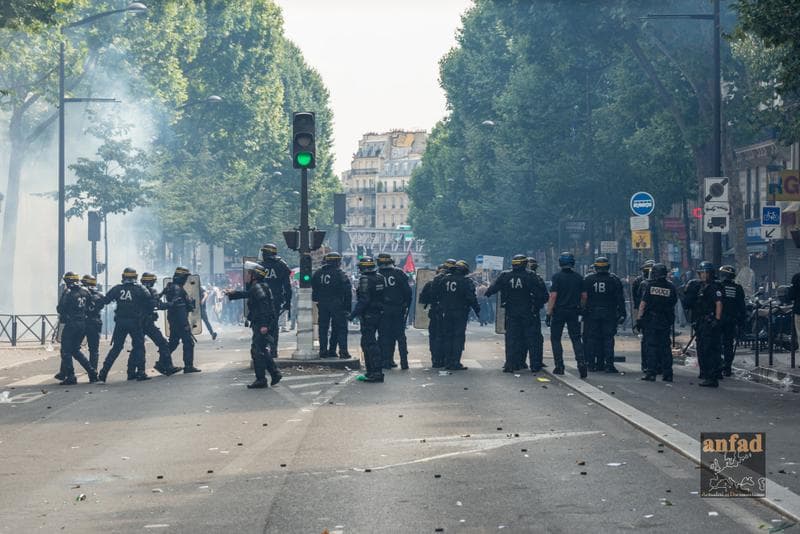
(305, 377)
(484, 442)
(311, 393)
(34, 380)
(311, 384)
(472, 363)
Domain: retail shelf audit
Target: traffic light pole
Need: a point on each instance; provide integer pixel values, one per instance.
(305, 327)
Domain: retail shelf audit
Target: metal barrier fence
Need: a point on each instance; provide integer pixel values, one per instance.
(27, 328)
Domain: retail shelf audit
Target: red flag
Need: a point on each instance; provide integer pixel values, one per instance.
(409, 266)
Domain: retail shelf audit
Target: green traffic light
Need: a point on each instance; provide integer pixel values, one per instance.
(304, 159)
(306, 278)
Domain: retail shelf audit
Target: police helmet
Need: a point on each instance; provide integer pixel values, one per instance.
(659, 271)
(566, 260)
(148, 279)
(462, 266)
(129, 275)
(89, 281)
(519, 262)
(706, 267)
(366, 265)
(70, 278)
(646, 266)
(257, 271)
(533, 264)
(449, 263)
(601, 264)
(269, 250)
(727, 272)
(385, 260)
(332, 258)
(441, 268)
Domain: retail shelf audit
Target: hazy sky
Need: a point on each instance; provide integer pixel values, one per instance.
(379, 60)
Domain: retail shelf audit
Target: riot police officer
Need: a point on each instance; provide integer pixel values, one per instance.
(332, 291)
(179, 305)
(396, 300)
(456, 295)
(536, 356)
(428, 297)
(150, 327)
(521, 298)
(260, 314)
(133, 305)
(278, 278)
(656, 316)
(369, 309)
(563, 308)
(94, 323)
(71, 310)
(734, 313)
(704, 299)
(604, 309)
(637, 286)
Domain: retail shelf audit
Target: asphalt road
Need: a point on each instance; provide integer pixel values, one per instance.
(475, 451)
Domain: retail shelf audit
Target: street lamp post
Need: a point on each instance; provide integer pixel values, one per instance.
(135, 7)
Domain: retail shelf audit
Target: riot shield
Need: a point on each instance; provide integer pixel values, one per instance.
(499, 317)
(246, 280)
(421, 318)
(192, 287)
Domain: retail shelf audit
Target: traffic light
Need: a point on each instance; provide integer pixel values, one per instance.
(359, 252)
(316, 239)
(292, 238)
(305, 270)
(304, 150)
(94, 225)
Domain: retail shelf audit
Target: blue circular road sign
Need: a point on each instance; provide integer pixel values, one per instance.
(642, 203)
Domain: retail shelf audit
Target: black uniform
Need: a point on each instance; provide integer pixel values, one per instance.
(568, 285)
(71, 310)
(734, 312)
(537, 355)
(260, 312)
(396, 300)
(638, 284)
(701, 299)
(605, 306)
(179, 304)
(429, 297)
(369, 309)
(521, 296)
(133, 305)
(278, 278)
(331, 290)
(151, 330)
(94, 324)
(660, 298)
(456, 295)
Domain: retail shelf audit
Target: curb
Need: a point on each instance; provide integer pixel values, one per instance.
(779, 498)
(333, 363)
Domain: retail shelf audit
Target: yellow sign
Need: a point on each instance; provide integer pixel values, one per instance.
(641, 239)
(785, 186)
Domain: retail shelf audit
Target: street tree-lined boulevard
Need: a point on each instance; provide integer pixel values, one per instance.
(474, 451)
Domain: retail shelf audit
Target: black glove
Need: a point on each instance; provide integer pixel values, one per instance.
(351, 317)
(548, 320)
(621, 319)
(638, 325)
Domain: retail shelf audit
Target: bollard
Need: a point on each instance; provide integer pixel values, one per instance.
(794, 341)
(13, 330)
(44, 331)
(769, 332)
(757, 334)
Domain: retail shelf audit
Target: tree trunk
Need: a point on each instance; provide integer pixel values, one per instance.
(9, 241)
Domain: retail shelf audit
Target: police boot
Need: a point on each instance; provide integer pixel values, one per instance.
(60, 376)
(174, 369)
(404, 362)
(345, 356)
(131, 375)
(727, 372)
(69, 381)
(649, 377)
(274, 373)
(158, 367)
(612, 370)
(92, 376)
(190, 369)
(583, 371)
(558, 370)
(260, 383)
(141, 377)
(374, 378)
(103, 374)
(709, 383)
(667, 377)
